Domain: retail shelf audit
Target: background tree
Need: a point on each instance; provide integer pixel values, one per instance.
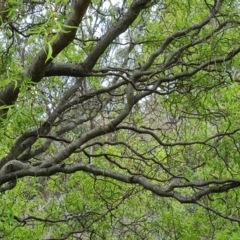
(119, 119)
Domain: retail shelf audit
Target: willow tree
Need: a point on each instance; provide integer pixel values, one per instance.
(119, 119)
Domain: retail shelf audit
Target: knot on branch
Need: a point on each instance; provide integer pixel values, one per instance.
(13, 166)
(10, 167)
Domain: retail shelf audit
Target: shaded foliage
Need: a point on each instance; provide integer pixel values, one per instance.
(119, 119)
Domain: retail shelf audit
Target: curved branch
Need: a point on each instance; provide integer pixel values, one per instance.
(120, 27)
(139, 179)
(38, 67)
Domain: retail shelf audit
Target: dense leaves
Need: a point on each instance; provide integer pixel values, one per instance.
(119, 119)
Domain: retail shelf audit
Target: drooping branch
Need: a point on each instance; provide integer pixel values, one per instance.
(220, 186)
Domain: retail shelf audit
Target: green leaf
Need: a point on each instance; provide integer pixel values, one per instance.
(49, 52)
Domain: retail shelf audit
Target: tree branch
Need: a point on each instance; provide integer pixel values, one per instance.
(38, 67)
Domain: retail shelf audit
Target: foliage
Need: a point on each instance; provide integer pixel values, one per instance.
(119, 119)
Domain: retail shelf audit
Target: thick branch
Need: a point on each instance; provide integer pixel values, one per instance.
(121, 26)
(140, 180)
(65, 69)
(38, 67)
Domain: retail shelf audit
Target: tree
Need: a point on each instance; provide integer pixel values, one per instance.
(119, 119)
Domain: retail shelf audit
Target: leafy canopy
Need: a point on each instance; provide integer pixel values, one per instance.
(119, 119)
